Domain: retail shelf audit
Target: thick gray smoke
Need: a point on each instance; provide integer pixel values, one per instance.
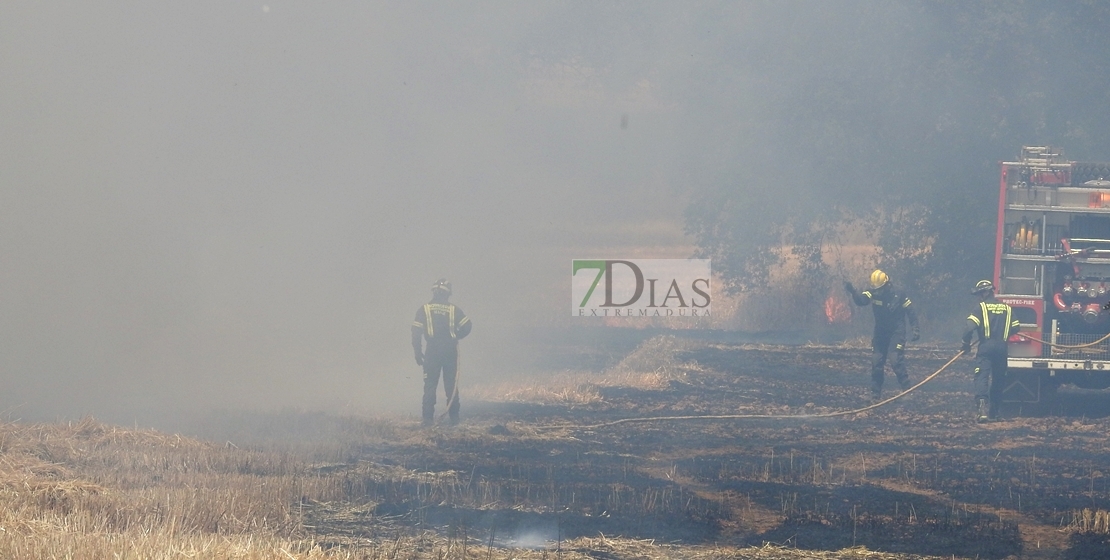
(206, 204)
(242, 205)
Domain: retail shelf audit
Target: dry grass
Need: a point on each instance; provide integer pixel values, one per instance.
(653, 365)
(649, 550)
(1091, 522)
(88, 490)
(93, 491)
(570, 388)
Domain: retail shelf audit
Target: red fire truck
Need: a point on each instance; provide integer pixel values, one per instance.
(1052, 266)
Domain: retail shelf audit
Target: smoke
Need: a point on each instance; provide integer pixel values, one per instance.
(207, 205)
(211, 205)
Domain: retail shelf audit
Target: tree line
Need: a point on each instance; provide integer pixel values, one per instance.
(891, 127)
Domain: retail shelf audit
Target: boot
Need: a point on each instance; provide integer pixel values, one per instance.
(983, 413)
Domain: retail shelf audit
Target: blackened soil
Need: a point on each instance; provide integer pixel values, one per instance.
(918, 476)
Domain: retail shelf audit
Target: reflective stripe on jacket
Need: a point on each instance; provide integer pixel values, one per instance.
(432, 308)
(439, 321)
(993, 319)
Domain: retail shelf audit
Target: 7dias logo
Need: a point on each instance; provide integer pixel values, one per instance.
(640, 288)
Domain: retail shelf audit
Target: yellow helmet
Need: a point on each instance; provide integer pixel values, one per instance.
(878, 279)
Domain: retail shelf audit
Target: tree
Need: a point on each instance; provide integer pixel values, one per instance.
(899, 119)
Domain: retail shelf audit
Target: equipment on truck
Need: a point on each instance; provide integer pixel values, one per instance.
(1052, 266)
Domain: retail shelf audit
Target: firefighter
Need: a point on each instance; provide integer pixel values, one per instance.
(892, 309)
(994, 322)
(442, 325)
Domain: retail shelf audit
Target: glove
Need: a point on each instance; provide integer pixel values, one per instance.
(915, 336)
(419, 359)
(966, 348)
(850, 288)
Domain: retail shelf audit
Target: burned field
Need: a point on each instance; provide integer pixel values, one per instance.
(915, 477)
(673, 448)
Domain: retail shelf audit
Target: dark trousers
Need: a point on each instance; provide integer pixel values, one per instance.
(436, 360)
(990, 366)
(881, 347)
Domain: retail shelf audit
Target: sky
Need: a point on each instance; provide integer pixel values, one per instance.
(242, 204)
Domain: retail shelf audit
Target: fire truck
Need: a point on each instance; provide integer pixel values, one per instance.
(1052, 266)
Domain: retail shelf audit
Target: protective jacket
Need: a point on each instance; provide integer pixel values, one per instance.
(891, 309)
(994, 322)
(891, 312)
(441, 323)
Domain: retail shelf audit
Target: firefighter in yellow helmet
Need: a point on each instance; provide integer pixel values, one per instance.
(994, 322)
(442, 325)
(892, 309)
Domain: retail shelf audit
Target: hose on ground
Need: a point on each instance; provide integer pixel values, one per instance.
(872, 406)
(454, 393)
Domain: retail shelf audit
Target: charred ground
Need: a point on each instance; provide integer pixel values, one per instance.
(574, 463)
(916, 477)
